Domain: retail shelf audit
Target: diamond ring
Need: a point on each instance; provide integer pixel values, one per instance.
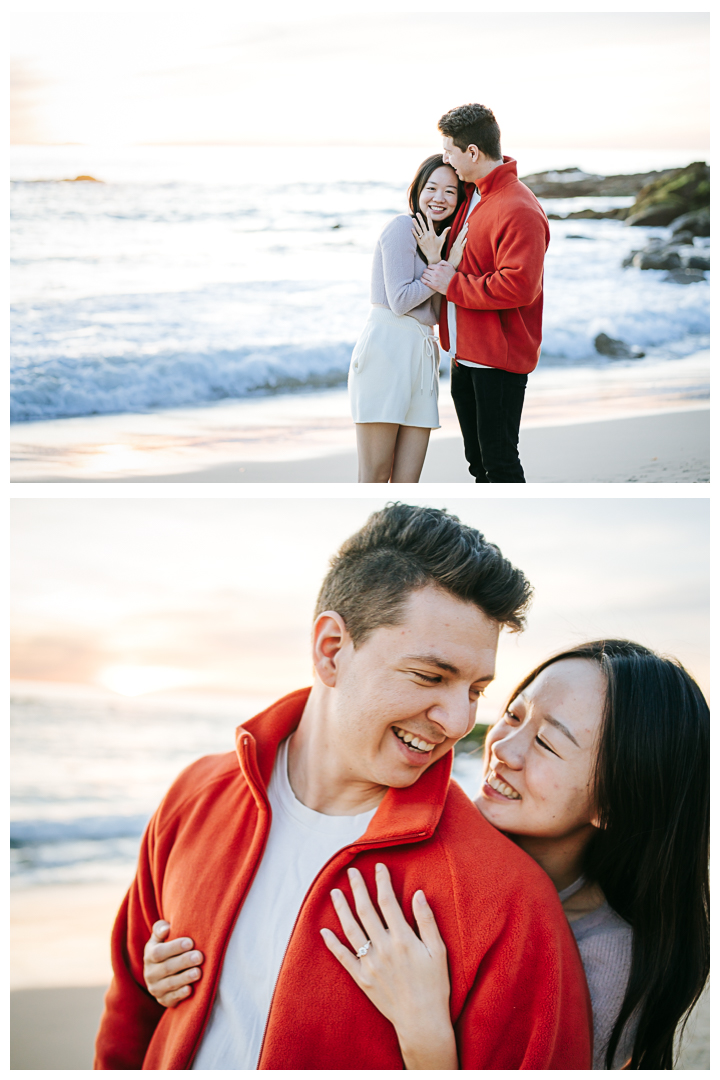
(364, 949)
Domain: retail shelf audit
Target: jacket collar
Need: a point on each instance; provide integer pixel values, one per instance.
(411, 813)
(500, 177)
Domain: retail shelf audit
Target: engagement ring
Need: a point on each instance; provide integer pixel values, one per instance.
(363, 949)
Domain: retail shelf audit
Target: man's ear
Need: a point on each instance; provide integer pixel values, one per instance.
(474, 152)
(329, 635)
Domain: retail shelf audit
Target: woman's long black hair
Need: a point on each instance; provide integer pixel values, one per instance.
(651, 853)
(425, 171)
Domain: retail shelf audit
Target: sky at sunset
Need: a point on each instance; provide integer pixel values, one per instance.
(139, 595)
(622, 80)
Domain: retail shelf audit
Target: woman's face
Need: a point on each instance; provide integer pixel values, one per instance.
(439, 197)
(540, 755)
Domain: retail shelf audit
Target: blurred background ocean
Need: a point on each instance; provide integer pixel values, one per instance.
(90, 768)
(199, 273)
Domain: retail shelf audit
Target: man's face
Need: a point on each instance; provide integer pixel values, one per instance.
(463, 162)
(417, 682)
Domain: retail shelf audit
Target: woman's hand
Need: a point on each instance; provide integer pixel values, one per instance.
(456, 251)
(428, 240)
(169, 966)
(405, 976)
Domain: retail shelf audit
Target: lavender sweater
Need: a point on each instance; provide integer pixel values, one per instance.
(605, 944)
(396, 272)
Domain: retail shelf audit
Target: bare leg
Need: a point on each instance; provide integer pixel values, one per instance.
(410, 449)
(376, 449)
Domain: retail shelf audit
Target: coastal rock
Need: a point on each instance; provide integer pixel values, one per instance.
(697, 223)
(74, 180)
(659, 255)
(590, 215)
(572, 183)
(671, 196)
(657, 259)
(697, 261)
(684, 236)
(616, 348)
(684, 277)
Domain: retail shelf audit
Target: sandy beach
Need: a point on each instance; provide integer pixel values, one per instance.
(625, 424)
(60, 968)
(661, 448)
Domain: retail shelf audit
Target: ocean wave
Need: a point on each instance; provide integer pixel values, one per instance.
(122, 384)
(655, 320)
(82, 385)
(39, 833)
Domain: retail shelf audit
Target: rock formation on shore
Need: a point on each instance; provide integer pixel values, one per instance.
(572, 183)
(661, 198)
(679, 198)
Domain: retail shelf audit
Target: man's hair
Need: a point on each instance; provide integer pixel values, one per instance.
(404, 548)
(473, 125)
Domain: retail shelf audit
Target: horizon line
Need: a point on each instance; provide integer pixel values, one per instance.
(361, 146)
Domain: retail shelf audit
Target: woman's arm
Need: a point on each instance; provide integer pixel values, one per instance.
(405, 976)
(398, 247)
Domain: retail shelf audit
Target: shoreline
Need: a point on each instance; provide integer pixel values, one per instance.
(310, 436)
(664, 446)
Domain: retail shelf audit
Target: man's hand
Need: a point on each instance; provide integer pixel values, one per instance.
(169, 966)
(439, 276)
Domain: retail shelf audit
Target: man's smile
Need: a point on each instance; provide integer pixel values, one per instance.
(413, 741)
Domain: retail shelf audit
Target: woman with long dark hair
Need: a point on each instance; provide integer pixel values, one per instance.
(393, 379)
(599, 769)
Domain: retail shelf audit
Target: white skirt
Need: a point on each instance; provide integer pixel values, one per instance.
(394, 372)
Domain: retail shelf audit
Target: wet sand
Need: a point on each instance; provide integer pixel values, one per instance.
(663, 448)
(60, 970)
(616, 425)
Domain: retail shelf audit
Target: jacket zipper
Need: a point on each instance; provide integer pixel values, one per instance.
(365, 847)
(206, 1020)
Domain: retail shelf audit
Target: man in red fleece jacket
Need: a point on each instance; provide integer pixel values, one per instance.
(246, 847)
(491, 317)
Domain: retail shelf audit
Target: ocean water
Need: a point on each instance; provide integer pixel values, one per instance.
(88, 770)
(193, 275)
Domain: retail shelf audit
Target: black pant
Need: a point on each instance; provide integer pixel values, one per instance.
(489, 404)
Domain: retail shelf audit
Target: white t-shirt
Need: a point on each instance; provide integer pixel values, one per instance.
(451, 316)
(301, 841)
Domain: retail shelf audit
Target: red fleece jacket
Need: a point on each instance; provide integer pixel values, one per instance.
(519, 996)
(498, 287)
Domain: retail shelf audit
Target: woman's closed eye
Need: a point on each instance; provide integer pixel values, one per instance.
(545, 745)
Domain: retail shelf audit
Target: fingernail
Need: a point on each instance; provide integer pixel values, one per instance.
(379, 866)
(352, 872)
(335, 893)
(186, 943)
(195, 958)
(421, 897)
(323, 931)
